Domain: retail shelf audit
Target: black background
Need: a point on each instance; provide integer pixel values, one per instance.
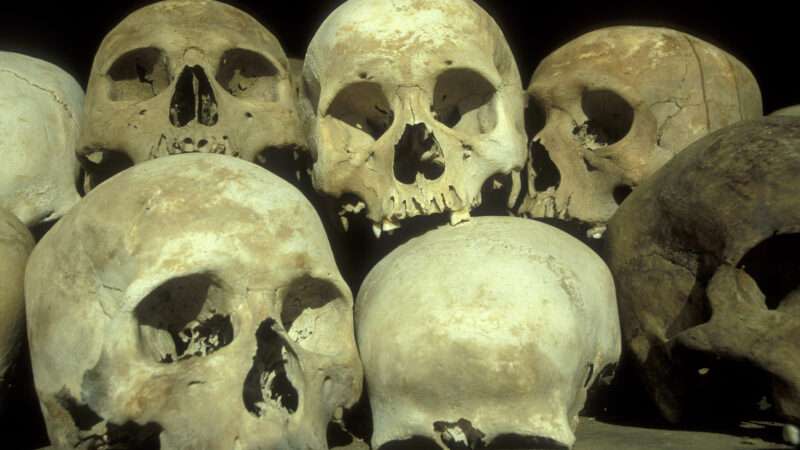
(762, 35)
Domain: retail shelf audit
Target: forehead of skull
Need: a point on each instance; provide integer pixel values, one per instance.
(173, 214)
(176, 25)
(406, 38)
(633, 54)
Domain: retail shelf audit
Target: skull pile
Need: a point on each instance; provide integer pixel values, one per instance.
(611, 107)
(411, 105)
(200, 306)
(165, 81)
(705, 258)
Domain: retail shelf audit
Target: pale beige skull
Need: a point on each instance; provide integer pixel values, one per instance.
(40, 108)
(200, 306)
(16, 244)
(411, 106)
(612, 106)
(184, 76)
(489, 332)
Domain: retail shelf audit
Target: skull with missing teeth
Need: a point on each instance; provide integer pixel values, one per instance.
(412, 105)
(611, 107)
(187, 76)
(201, 307)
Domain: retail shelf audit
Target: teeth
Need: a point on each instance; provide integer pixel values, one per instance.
(389, 226)
(791, 434)
(376, 230)
(295, 155)
(345, 223)
(596, 232)
(457, 217)
(435, 205)
(496, 185)
(516, 188)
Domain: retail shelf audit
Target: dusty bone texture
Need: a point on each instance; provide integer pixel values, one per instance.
(696, 276)
(16, 244)
(41, 107)
(517, 318)
(411, 105)
(790, 111)
(183, 76)
(609, 108)
(200, 305)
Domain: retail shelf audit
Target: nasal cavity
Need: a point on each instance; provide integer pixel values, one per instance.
(417, 152)
(267, 385)
(193, 99)
(545, 173)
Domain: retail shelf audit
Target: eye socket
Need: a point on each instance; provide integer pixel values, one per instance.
(363, 106)
(139, 75)
(535, 117)
(464, 100)
(309, 305)
(610, 116)
(183, 318)
(774, 266)
(247, 74)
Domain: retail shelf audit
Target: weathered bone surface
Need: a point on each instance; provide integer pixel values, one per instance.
(411, 105)
(487, 332)
(16, 244)
(191, 302)
(185, 76)
(40, 108)
(791, 111)
(609, 108)
(705, 259)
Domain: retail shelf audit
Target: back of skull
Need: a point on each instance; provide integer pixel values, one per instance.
(187, 77)
(411, 106)
(200, 305)
(40, 109)
(611, 107)
(486, 333)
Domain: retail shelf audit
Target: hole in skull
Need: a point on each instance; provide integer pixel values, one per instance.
(337, 436)
(517, 442)
(460, 435)
(193, 99)
(363, 106)
(267, 380)
(414, 443)
(247, 74)
(418, 152)
(102, 165)
(82, 415)
(464, 100)
(610, 118)
(139, 75)
(184, 318)
(622, 192)
(545, 172)
(775, 267)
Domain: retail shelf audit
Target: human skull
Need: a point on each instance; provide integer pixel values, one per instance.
(509, 349)
(16, 244)
(609, 108)
(200, 306)
(411, 106)
(40, 108)
(182, 76)
(705, 259)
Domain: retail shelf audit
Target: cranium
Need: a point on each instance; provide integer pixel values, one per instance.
(411, 106)
(16, 244)
(200, 306)
(185, 76)
(41, 106)
(705, 258)
(791, 111)
(611, 107)
(502, 356)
